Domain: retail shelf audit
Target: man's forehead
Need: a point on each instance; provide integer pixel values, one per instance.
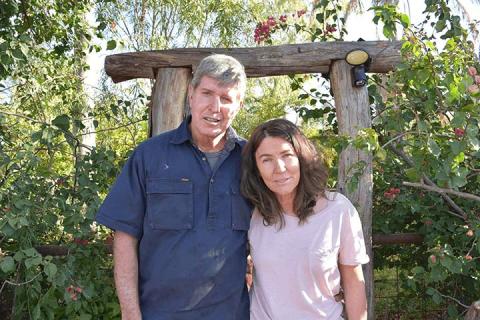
(212, 83)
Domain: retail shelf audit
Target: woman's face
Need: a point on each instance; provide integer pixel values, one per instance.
(279, 167)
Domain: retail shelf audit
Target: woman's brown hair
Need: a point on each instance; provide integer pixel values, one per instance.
(313, 173)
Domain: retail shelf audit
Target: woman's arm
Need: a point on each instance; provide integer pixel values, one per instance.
(353, 286)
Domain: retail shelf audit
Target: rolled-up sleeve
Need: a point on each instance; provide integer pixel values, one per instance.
(352, 246)
(124, 207)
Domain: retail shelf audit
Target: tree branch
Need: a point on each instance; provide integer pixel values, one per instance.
(442, 190)
(428, 181)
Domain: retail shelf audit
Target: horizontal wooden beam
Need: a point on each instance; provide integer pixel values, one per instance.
(286, 59)
(378, 239)
(397, 238)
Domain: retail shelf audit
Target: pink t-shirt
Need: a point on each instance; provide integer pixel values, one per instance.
(296, 273)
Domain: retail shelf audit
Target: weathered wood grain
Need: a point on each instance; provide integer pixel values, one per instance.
(353, 114)
(258, 61)
(168, 99)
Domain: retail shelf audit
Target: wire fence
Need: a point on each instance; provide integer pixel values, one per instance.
(392, 302)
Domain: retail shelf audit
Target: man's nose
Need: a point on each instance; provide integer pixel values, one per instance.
(215, 104)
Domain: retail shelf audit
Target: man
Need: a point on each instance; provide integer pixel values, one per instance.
(180, 223)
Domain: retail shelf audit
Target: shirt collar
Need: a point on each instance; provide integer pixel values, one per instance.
(183, 134)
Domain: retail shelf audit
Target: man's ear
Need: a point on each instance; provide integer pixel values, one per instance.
(190, 93)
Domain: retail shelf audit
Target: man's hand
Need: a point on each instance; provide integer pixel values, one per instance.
(125, 258)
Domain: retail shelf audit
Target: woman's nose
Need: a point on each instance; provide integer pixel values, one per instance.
(280, 165)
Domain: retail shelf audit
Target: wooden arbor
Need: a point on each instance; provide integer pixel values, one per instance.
(172, 71)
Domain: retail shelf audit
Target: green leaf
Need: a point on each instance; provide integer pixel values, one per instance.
(85, 316)
(7, 264)
(412, 174)
(62, 122)
(405, 20)
(30, 252)
(418, 270)
(111, 44)
(433, 147)
(31, 262)
(50, 270)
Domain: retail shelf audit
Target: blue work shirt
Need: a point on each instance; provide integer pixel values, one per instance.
(191, 223)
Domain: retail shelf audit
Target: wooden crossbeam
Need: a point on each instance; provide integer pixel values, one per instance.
(287, 59)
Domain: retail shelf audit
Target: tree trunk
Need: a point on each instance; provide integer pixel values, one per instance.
(169, 98)
(353, 114)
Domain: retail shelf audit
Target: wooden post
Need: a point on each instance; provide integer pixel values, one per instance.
(169, 96)
(353, 114)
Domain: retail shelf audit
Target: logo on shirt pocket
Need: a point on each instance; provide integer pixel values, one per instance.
(170, 204)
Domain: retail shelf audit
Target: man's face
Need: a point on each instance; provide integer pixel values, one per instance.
(213, 107)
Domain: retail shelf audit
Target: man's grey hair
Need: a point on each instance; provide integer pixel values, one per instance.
(225, 69)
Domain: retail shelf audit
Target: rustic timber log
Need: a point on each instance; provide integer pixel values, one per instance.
(377, 239)
(169, 99)
(61, 250)
(397, 238)
(353, 114)
(259, 61)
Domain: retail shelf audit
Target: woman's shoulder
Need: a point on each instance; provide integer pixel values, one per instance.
(256, 217)
(333, 201)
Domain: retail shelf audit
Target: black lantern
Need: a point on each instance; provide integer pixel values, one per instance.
(360, 61)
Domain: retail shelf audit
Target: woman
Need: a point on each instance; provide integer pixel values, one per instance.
(304, 240)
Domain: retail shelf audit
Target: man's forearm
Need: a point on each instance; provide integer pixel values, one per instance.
(125, 259)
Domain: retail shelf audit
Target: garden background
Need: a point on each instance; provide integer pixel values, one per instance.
(66, 130)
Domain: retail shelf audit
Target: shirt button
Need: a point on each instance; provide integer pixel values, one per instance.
(212, 180)
(203, 158)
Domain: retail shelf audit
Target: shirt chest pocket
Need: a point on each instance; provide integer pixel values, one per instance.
(170, 204)
(326, 258)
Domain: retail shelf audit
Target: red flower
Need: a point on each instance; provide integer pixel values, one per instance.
(433, 258)
(330, 29)
(283, 18)
(391, 193)
(468, 257)
(459, 132)
(301, 12)
(271, 21)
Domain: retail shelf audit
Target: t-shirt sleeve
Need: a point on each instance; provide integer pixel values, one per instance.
(352, 246)
(124, 207)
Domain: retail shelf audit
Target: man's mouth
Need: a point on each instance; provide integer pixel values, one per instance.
(211, 120)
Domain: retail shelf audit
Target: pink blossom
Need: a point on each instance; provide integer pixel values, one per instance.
(472, 71)
(283, 18)
(473, 88)
(477, 79)
(271, 22)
